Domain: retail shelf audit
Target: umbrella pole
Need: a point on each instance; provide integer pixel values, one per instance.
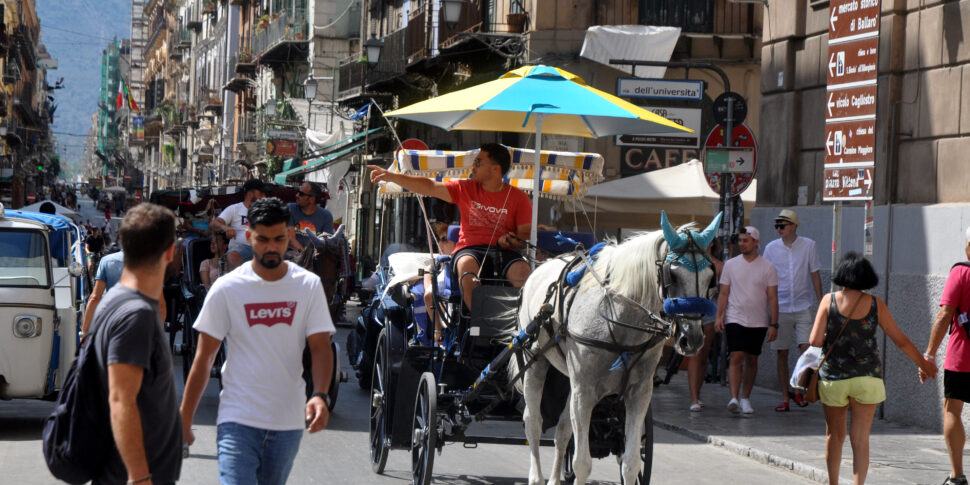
(534, 230)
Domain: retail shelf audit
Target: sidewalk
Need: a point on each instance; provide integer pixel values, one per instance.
(796, 440)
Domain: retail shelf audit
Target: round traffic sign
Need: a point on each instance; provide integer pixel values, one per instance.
(741, 138)
(739, 108)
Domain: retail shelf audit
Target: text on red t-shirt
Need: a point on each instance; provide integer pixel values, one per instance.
(486, 216)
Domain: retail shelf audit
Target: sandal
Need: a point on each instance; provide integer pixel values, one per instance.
(782, 407)
(696, 407)
(799, 399)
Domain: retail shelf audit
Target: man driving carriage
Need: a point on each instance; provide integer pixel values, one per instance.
(306, 213)
(496, 217)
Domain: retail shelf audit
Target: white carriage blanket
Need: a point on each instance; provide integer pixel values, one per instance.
(563, 176)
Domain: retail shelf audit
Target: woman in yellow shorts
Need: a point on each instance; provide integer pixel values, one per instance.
(850, 379)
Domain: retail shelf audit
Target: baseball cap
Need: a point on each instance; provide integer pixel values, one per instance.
(753, 232)
(787, 215)
(253, 184)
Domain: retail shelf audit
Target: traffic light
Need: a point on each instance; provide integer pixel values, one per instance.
(40, 167)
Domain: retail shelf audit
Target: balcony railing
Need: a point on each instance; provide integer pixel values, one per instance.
(288, 27)
(158, 27)
(700, 16)
(469, 21)
(416, 36)
(183, 39)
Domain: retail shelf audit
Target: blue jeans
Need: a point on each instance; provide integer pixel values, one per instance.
(250, 455)
(245, 251)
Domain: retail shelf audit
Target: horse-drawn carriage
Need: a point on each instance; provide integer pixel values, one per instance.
(327, 256)
(575, 349)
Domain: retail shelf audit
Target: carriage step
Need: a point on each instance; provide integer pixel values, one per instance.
(470, 446)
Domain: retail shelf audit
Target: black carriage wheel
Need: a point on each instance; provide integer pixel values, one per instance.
(378, 417)
(334, 389)
(424, 430)
(189, 341)
(568, 474)
(646, 449)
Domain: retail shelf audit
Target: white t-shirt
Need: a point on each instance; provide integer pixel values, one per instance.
(748, 297)
(265, 325)
(237, 218)
(795, 266)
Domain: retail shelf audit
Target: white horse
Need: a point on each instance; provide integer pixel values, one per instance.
(613, 338)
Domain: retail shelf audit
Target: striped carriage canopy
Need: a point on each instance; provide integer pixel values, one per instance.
(564, 175)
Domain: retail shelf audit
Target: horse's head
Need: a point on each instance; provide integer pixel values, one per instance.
(686, 273)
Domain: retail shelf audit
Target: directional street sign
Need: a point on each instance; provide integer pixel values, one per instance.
(848, 183)
(850, 99)
(852, 103)
(659, 88)
(853, 19)
(730, 160)
(853, 61)
(850, 142)
(688, 117)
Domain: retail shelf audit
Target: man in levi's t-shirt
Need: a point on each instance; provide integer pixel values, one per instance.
(954, 318)
(267, 310)
(495, 218)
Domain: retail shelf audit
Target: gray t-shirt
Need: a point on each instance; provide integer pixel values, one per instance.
(128, 331)
(319, 221)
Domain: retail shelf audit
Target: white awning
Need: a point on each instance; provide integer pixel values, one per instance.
(631, 42)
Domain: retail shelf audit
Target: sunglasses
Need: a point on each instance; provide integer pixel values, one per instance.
(304, 194)
(781, 226)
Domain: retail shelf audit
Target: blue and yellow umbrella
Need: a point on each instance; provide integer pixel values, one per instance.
(538, 99)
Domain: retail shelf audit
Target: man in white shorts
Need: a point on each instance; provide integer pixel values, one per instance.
(796, 261)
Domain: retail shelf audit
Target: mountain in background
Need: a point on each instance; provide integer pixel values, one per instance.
(75, 32)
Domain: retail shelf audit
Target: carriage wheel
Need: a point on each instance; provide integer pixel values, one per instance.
(189, 341)
(378, 399)
(646, 449)
(424, 430)
(568, 474)
(334, 390)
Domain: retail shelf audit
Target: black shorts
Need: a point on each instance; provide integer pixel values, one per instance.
(745, 339)
(956, 385)
(496, 265)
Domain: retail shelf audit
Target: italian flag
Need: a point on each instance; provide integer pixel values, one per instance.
(124, 94)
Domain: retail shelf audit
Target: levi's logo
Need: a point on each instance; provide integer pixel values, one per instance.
(270, 314)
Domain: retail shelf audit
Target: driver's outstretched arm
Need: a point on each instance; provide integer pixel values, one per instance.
(413, 183)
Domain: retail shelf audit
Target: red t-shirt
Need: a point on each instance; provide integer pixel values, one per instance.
(956, 293)
(487, 216)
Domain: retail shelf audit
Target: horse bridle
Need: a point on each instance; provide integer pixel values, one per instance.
(664, 278)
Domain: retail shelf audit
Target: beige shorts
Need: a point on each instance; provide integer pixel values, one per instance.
(798, 324)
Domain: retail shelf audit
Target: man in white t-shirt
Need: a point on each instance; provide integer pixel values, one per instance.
(266, 311)
(747, 312)
(796, 261)
(234, 220)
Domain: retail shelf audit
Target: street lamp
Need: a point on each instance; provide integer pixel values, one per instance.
(373, 49)
(310, 86)
(453, 10)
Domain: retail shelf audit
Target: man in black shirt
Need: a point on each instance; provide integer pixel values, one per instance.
(136, 363)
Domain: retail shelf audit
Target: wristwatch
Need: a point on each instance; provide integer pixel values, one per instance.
(773, 325)
(322, 395)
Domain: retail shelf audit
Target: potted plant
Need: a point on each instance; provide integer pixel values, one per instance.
(516, 22)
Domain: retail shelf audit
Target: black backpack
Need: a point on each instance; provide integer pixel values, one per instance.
(77, 434)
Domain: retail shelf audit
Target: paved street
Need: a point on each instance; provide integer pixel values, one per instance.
(340, 454)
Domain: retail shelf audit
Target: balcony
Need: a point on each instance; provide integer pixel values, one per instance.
(238, 82)
(11, 71)
(210, 100)
(717, 17)
(416, 36)
(469, 21)
(24, 39)
(159, 26)
(209, 7)
(245, 64)
(281, 37)
(183, 39)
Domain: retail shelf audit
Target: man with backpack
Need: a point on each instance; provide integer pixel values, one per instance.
(135, 363)
(953, 317)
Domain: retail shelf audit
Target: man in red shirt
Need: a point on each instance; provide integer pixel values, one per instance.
(953, 317)
(493, 213)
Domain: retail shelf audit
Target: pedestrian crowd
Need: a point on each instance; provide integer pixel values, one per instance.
(777, 298)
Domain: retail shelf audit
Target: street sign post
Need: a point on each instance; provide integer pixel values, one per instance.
(738, 106)
(743, 146)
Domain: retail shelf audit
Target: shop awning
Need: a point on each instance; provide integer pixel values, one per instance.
(327, 155)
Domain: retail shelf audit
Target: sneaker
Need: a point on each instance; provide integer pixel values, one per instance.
(961, 480)
(733, 406)
(746, 407)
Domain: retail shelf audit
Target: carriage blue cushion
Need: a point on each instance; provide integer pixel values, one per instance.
(547, 239)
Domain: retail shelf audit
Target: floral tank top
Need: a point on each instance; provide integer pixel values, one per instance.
(855, 353)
